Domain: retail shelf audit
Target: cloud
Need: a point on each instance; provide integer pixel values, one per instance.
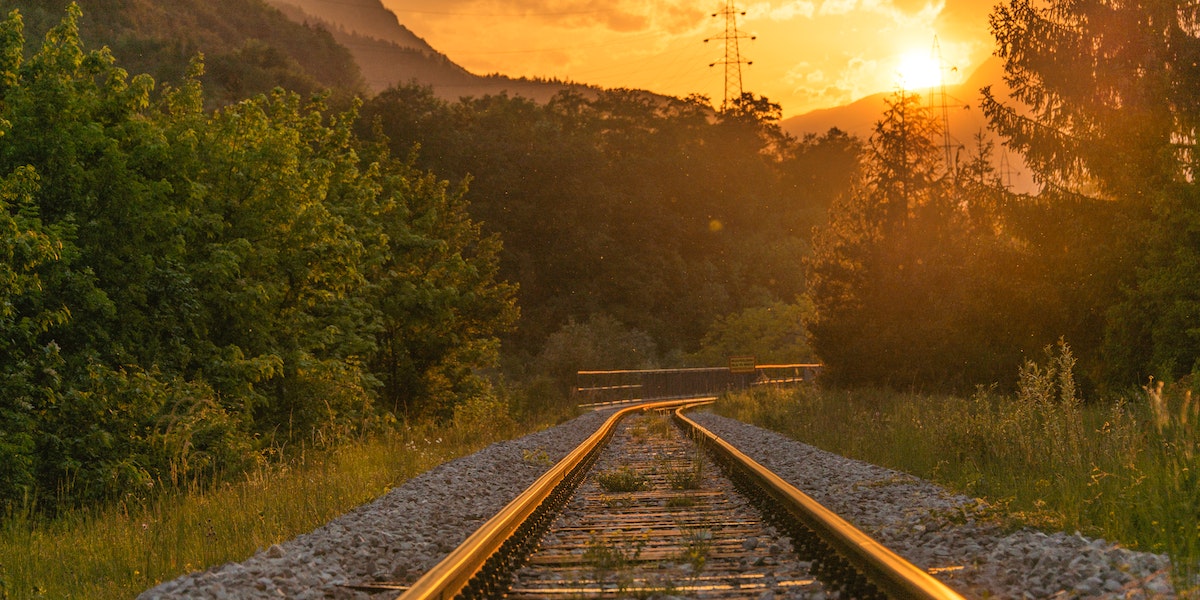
(787, 12)
(917, 6)
(809, 53)
(837, 7)
(622, 16)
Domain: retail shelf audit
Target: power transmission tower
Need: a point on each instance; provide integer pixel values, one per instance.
(942, 101)
(733, 60)
(1006, 171)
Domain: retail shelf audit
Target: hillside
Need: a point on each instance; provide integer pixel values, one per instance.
(249, 47)
(389, 53)
(368, 18)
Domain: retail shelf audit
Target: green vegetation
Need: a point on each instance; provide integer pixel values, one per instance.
(1126, 472)
(633, 222)
(609, 556)
(689, 476)
(200, 281)
(661, 426)
(249, 47)
(931, 275)
(682, 502)
(120, 550)
(697, 544)
(188, 293)
(622, 479)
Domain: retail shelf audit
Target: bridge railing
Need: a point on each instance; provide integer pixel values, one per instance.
(597, 388)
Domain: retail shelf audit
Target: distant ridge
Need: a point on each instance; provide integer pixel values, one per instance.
(388, 53)
(367, 18)
(859, 117)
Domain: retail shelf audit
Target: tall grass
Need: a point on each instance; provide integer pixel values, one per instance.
(1125, 470)
(119, 550)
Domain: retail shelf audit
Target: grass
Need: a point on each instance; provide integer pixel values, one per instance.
(117, 551)
(1125, 470)
(696, 547)
(688, 477)
(622, 479)
(661, 426)
(682, 502)
(607, 555)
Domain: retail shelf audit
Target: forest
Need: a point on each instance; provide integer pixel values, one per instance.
(199, 275)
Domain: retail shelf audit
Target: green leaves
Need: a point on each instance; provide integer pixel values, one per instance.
(179, 288)
(656, 211)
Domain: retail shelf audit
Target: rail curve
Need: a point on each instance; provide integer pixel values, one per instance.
(843, 557)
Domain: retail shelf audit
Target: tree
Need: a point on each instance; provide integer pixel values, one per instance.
(772, 334)
(87, 230)
(436, 284)
(1109, 90)
(890, 274)
(1104, 109)
(180, 287)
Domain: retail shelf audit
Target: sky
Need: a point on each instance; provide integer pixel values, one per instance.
(806, 55)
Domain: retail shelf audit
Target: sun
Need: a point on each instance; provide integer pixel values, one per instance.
(917, 70)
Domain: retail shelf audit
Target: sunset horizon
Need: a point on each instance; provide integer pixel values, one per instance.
(807, 55)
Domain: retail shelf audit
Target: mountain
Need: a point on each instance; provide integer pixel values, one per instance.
(388, 53)
(859, 117)
(248, 47)
(367, 18)
(962, 111)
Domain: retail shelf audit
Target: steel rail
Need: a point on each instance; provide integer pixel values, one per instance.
(888, 572)
(450, 576)
(892, 574)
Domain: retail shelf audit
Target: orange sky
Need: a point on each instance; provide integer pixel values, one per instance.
(808, 54)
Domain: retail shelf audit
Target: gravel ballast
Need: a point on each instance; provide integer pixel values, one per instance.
(402, 534)
(935, 529)
(398, 536)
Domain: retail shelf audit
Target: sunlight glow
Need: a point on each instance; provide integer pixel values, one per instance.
(917, 69)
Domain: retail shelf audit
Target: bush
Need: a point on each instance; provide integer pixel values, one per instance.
(600, 343)
(124, 433)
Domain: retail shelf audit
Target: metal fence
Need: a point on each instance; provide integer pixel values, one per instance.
(617, 387)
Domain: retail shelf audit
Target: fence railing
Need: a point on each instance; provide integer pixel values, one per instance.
(595, 388)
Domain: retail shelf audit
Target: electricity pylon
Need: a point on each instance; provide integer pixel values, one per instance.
(947, 142)
(733, 60)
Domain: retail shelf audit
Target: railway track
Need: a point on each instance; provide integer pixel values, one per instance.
(654, 505)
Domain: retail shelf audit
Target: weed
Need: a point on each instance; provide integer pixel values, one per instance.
(639, 432)
(689, 477)
(536, 457)
(696, 546)
(606, 555)
(682, 501)
(617, 502)
(622, 479)
(661, 426)
(1126, 470)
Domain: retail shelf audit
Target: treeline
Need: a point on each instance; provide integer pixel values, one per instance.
(930, 275)
(933, 276)
(181, 289)
(658, 216)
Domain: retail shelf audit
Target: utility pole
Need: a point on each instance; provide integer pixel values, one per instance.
(733, 60)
